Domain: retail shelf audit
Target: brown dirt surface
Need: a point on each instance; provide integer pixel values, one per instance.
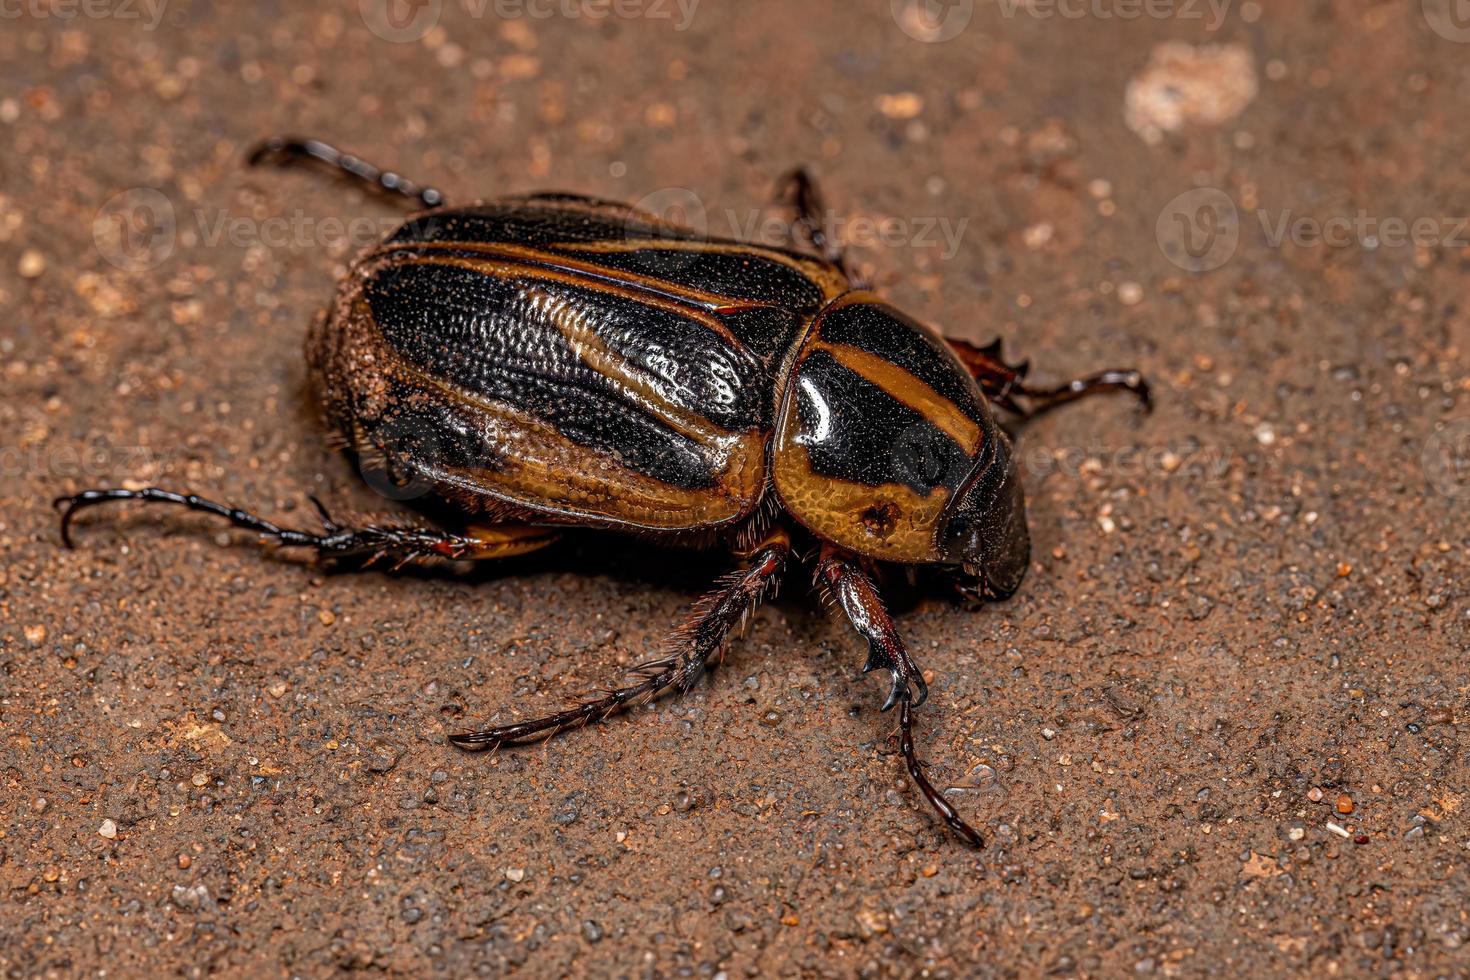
(1219, 730)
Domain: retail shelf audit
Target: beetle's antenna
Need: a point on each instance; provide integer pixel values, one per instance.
(285, 151)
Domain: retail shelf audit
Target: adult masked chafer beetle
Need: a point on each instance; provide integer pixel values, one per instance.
(553, 361)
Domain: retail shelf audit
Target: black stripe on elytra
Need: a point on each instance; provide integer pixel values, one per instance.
(879, 329)
(765, 331)
(498, 338)
(855, 431)
(740, 272)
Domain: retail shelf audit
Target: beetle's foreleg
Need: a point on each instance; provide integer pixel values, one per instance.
(1003, 383)
(1045, 399)
(288, 151)
(714, 617)
(395, 544)
(859, 599)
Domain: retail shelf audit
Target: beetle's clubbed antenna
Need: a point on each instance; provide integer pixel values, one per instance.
(290, 150)
(715, 616)
(858, 597)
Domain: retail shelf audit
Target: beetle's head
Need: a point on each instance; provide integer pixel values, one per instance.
(985, 536)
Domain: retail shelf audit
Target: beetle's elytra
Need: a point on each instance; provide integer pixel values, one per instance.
(550, 362)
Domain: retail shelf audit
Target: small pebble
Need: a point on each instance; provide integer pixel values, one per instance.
(108, 829)
(1314, 794)
(1130, 293)
(515, 874)
(184, 862)
(1344, 804)
(900, 105)
(32, 264)
(199, 779)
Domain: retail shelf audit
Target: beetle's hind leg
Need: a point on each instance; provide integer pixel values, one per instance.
(694, 644)
(858, 597)
(286, 151)
(391, 544)
(1004, 383)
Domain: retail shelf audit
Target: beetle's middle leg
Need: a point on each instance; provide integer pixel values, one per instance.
(799, 190)
(393, 544)
(858, 597)
(694, 644)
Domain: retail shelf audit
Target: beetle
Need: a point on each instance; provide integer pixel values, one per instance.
(550, 362)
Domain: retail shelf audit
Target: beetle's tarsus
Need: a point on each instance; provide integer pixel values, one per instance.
(715, 616)
(289, 150)
(915, 768)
